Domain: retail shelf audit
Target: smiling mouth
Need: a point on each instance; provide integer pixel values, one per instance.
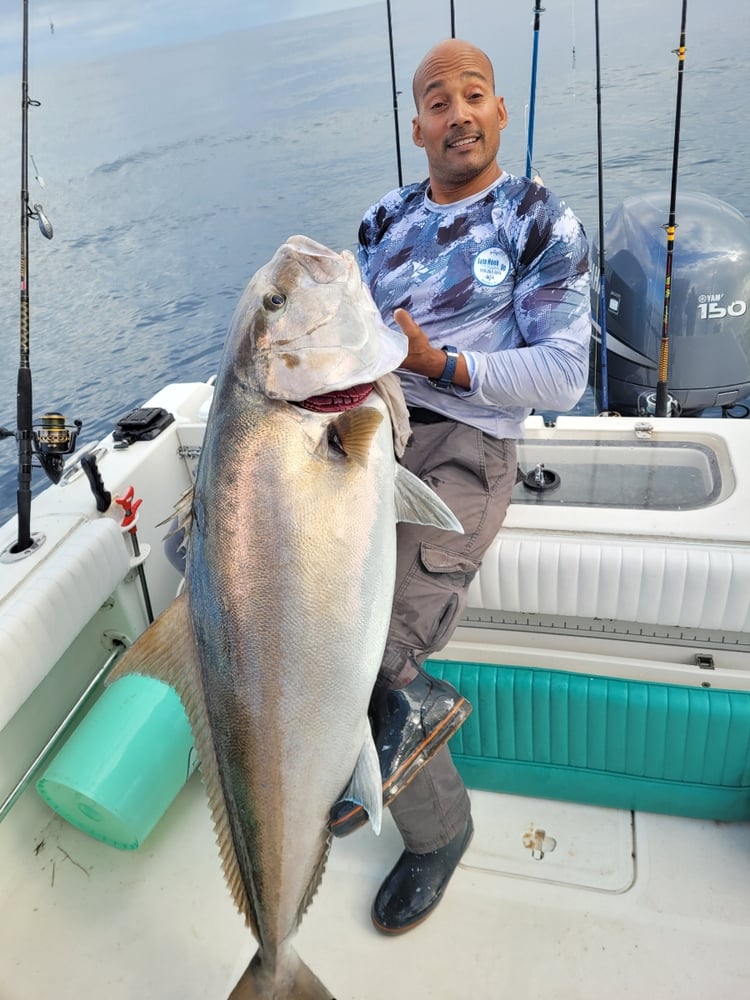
(463, 142)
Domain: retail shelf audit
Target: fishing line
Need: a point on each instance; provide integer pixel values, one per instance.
(37, 178)
(600, 183)
(573, 32)
(662, 398)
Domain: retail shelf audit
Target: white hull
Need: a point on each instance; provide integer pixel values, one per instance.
(622, 901)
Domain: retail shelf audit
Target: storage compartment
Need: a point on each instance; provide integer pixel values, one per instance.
(636, 474)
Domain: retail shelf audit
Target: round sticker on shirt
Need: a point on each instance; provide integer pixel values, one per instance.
(491, 266)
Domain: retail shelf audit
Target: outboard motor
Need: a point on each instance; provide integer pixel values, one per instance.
(709, 325)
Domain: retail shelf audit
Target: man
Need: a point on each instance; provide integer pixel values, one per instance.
(487, 276)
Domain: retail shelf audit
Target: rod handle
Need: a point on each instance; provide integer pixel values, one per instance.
(102, 496)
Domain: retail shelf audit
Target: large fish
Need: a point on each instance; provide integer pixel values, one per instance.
(276, 641)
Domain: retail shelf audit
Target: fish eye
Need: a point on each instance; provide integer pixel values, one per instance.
(275, 300)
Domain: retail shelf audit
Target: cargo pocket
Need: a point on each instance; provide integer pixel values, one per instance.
(501, 471)
(446, 578)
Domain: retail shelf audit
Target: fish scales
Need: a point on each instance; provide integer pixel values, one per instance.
(305, 573)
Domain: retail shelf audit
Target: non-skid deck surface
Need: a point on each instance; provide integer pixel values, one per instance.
(657, 907)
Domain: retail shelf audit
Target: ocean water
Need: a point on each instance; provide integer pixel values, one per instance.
(171, 173)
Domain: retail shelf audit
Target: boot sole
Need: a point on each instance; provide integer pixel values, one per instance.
(357, 817)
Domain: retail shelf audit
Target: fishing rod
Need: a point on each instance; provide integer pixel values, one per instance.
(395, 94)
(538, 11)
(394, 88)
(53, 439)
(602, 283)
(662, 397)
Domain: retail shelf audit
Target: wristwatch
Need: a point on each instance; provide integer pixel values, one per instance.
(451, 360)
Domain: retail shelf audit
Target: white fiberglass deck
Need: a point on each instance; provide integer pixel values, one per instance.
(619, 906)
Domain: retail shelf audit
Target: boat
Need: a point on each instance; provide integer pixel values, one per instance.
(606, 653)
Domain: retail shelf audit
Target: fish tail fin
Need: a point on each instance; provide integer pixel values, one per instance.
(292, 978)
(418, 504)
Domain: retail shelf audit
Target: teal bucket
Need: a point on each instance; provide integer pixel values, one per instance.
(124, 764)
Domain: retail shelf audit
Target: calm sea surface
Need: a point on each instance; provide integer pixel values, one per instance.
(172, 173)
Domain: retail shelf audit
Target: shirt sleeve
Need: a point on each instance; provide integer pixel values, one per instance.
(551, 302)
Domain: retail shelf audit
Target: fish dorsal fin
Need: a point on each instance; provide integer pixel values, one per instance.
(418, 504)
(161, 651)
(184, 511)
(166, 651)
(355, 430)
(181, 518)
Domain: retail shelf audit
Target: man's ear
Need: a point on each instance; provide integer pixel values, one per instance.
(502, 112)
(416, 132)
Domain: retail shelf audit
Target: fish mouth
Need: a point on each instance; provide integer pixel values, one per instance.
(334, 402)
(321, 263)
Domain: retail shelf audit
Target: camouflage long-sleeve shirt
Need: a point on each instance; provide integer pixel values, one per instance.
(503, 277)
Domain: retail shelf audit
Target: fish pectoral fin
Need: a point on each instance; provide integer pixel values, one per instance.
(418, 504)
(354, 431)
(366, 785)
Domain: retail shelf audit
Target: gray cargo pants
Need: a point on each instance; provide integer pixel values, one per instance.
(475, 475)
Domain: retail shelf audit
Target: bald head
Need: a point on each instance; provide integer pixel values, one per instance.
(459, 119)
(445, 56)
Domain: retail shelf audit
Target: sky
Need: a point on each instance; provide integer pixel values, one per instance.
(89, 30)
(86, 30)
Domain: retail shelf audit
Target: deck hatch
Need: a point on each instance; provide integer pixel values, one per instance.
(633, 474)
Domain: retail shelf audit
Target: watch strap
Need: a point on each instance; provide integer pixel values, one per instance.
(445, 381)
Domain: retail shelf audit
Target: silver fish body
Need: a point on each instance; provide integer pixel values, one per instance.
(289, 585)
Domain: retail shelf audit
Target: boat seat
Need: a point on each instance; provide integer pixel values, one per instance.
(58, 590)
(648, 581)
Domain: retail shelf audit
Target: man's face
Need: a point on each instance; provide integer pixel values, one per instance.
(459, 118)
